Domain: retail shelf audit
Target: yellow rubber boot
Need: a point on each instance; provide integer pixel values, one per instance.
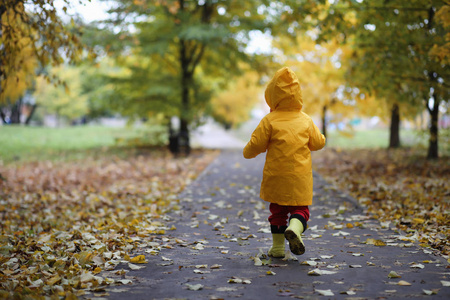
(277, 249)
(294, 236)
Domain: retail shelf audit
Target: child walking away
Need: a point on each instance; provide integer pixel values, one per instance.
(288, 135)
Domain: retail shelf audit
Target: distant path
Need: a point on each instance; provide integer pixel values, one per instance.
(222, 226)
(213, 136)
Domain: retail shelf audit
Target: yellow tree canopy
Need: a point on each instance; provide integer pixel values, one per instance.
(67, 99)
(232, 106)
(318, 66)
(442, 52)
(21, 64)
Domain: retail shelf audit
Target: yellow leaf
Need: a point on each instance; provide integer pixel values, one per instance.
(140, 259)
(418, 220)
(70, 296)
(375, 242)
(350, 225)
(393, 274)
(53, 280)
(402, 282)
(97, 270)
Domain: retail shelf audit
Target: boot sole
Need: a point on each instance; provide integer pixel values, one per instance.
(295, 244)
(276, 255)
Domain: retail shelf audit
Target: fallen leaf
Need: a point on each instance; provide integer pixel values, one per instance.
(257, 261)
(201, 266)
(348, 293)
(429, 292)
(418, 266)
(140, 259)
(135, 267)
(325, 292)
(445, 283)
(319, 272)
(394, 274)
(194, 287)
(216, 266)
(375, 242)
(239, 280)
(405, 283)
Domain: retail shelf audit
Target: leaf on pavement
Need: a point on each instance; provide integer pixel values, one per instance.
(328, 293)
(417, 266)
(375, 242)
(430, 292)
(135, 267)
(319, 272)
(445, 283)
(140, 259)
(194, 287)
(394, 274)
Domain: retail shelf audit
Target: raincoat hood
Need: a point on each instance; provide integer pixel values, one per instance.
(283, 91)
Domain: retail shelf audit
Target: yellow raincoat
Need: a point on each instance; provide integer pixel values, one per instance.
(289, 135)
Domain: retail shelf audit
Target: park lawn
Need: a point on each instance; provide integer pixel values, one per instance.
(379, 138)
(24, 144)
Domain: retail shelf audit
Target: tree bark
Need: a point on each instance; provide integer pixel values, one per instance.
(394, 137)
(16, 112)
(324, 124)
(433, 150)
(33, 109)
(2, 115)
(185, 101)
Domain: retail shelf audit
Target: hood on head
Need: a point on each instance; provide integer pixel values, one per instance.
(283, 91)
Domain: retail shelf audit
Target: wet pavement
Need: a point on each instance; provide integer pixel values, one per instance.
(219, 247)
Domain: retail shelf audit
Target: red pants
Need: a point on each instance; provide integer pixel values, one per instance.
(279, 214)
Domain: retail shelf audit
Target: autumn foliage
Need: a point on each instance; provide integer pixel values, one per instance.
(399, 187)
(63, 223)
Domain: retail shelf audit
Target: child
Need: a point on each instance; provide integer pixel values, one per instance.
(289, 135)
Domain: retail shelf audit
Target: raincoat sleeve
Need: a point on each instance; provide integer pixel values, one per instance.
(259, 140)
(316, 138)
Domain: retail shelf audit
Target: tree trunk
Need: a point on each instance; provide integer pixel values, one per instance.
(2, 115)
(186, 79)
(33, 109)
(394, 138)
(433, 150)
(16, 112)
(324, 124)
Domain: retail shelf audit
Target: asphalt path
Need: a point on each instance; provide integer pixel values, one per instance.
(219, 247)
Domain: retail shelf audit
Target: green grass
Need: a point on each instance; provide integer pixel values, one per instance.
(20, 143)
(379, 138)
(369, 139)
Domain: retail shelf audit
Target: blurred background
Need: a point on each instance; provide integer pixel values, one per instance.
(191, 73)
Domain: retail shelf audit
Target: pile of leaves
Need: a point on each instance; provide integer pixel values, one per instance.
(63, 223)
(400, 187)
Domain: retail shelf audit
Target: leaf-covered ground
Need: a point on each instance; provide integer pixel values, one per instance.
(399, 187)
(62, 223)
